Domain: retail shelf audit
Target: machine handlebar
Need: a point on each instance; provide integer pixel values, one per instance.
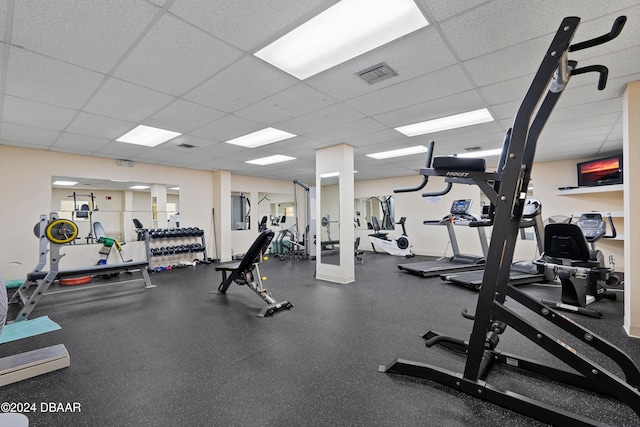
(616, 28)
(424, 177)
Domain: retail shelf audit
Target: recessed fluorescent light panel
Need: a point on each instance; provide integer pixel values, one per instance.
(270, 160)
(261, 137)
(344, 31)
(147, 136)
(139, 187)
(483, 153)
(446, 123)
(68, 183)
(399, 153)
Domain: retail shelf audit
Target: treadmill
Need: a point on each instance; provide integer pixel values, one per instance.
(522, 272)
(458, 216)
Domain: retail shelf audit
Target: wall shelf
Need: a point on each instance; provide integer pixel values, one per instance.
(590, 190)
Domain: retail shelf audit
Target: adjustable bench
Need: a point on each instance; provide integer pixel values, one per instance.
(246, 272)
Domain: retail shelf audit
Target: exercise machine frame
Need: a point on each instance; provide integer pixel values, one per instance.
(53, 233)
(492, 316)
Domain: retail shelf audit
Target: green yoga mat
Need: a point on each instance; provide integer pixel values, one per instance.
(27, 328)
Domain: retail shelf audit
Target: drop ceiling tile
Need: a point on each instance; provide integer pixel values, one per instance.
(182, 159)
(121, 150)
(507, 91)
(243, 83)
(292, 102)
(591, 110)
(99, 126)
(43, 79)
(227, 19)
(90, 33)
(36, 114)
(561, 136)
(3, 20)
(376, 137)
(183, 116)
(227, 127)
(506, 111)
(324, 118)
(614, 145)
(174, 57)
(153, 155)
(347, 132)
(70, 142)
(419, 53)
(443, 9)
(438, 84)
(620, 64)
(524, 59)
(27, 136)
(127, 101)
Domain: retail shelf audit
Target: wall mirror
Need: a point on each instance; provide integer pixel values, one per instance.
(275, 210)
(382, 208)
(113, 205)
(240, 210)
(329, 239)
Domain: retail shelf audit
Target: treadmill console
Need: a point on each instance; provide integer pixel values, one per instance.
(460, 207)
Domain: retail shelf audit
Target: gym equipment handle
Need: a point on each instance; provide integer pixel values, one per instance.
(601, 69)
(424, 177)
(616, 28)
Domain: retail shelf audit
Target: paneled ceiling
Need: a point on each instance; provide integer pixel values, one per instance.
(77, 74)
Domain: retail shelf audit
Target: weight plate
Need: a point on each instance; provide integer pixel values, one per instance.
(62, 231)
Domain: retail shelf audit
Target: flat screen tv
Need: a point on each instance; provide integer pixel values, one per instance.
(605, 171)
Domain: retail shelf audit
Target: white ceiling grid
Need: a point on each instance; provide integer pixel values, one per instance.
(77, 74)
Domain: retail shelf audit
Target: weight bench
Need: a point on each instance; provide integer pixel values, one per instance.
(27, 298)
(246, 272)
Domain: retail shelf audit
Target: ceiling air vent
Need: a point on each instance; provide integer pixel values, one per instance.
(376, 73)
(183, 145)
(472, 149)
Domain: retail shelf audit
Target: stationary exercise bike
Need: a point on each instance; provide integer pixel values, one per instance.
(400, 246)
(570, 250)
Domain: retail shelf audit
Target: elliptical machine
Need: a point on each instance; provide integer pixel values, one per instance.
(400, 246)
(570, 250)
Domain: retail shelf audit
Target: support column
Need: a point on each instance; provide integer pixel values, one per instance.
(631, 153)
(334, 202)
(222, 217)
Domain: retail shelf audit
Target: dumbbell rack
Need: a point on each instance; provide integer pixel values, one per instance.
(171, 248)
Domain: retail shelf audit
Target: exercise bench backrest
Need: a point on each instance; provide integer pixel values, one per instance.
(254, 253)
(98, 230)
(566, 241)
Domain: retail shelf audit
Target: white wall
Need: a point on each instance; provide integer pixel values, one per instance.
(31, 195)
